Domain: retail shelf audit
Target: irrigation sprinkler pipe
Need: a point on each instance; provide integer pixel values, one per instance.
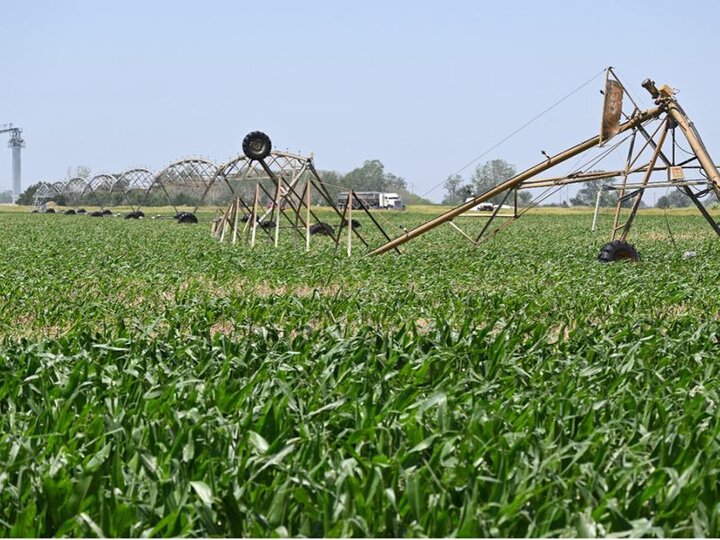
(646, 180)
(515, 181)
(693, 138)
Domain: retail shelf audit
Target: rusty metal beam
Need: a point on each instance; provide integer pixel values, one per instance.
(693, 138)
(646, 180)
(515, 181)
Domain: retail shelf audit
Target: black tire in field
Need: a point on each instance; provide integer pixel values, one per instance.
(131, 215)
(322, 228)
(70, 212)
(257, 145)
(97, 213)
(267, 225)
(107, 212)
(50, 211)
(618, 250)
(187, 217)
(140, 214)
(81, 211)
(354, 223)
(179, 215)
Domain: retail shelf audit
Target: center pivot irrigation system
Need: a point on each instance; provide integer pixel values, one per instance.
(648, 138)
(647, 155)
(271, 190)
(291, 183)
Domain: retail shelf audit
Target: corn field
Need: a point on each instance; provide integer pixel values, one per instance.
(154, 382)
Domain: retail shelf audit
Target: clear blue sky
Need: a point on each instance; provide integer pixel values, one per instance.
(423, 86)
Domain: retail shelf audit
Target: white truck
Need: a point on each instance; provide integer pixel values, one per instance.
(482, 207)
(372, 199)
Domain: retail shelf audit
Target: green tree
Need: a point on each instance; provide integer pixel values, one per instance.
(26, 198)
(674, 199)
(524, 198)
(80, 171)
(333, 182)
(663, 202)
(453, 190)
(587, 195)
(372, 177)
(489, 175)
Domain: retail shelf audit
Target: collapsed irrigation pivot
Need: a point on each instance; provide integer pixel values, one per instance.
(645, 156)
(272, 191)
(290, 182)
(157, 381)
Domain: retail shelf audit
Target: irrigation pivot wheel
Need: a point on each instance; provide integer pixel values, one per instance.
(618, 250)
(256, 145)
(324, 229)
(187, 217)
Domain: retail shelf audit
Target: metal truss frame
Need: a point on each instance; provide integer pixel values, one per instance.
(648, 157)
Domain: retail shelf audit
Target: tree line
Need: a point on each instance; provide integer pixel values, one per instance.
(370, 176)
(491, 173)
(485, 176)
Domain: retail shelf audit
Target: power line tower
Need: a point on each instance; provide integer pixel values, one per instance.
(16, 142)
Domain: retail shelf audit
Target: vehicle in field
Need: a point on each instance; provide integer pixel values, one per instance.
(482, 207)
(372, 199)
(695, 177)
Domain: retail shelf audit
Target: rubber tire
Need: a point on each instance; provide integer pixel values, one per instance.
(618, 250)
(187, 217)
(131, 215)
(256, 145)
(81, 211)
(354, 223)
(179, 215)
(322, 228)
(107, 212)
(50, 211)
(140, 214)
(70, 212)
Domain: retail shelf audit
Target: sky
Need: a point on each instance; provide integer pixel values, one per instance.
(425, 87)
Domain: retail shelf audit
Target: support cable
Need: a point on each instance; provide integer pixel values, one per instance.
(518, 130)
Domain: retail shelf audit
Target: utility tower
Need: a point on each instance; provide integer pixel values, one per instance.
(16, 142)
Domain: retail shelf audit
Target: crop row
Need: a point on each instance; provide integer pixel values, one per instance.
(153, 381)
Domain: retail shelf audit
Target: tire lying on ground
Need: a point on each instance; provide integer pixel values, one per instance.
(140, 213)
(81, 211)
(618, 250)
(354, 223)
(50, 211)
(107, 212)
(187, 217)
(97, 213)
(70, 212)
(131, 215)
(322, 228)
(267, 225)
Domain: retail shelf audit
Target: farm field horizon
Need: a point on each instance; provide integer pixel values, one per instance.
(154, 381)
